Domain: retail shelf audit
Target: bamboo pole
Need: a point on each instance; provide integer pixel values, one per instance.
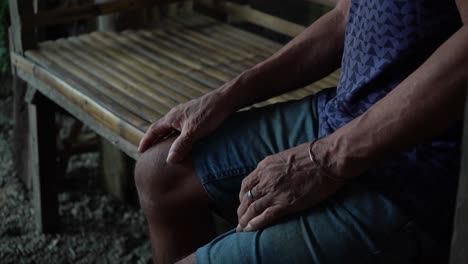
(231, 47)
(89, 11)
(105, 84)
(157, 82)
(170, 58)
(95, 88)
(226, 36)
(95, 105)
(259, 18)
(112, 73)
(170, 66)
(157, 62)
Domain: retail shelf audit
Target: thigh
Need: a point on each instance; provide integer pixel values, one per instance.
(224, 158)
(355, 225)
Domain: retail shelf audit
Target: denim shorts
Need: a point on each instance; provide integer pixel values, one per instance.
(355, 225)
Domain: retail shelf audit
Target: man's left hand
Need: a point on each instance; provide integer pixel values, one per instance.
(282, 184)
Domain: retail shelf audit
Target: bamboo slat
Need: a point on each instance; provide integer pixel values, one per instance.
(119, 76)
(65, 15)
(207, 61)
(147, 62)
(204, 32)
(159, 57)
(212, 54)
(138, 76)
(259, 18)
(181, 56)
(158, 84)
(99, 107)
(104, 84)
(266, 43)
(215, 29)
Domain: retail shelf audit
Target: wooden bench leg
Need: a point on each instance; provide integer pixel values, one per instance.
(42, 139)
(117, 172)
(21, 131)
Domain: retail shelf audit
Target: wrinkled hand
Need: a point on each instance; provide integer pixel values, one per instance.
(193, 120)
(283, 184)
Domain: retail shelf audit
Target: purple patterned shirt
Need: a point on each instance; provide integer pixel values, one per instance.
(386, 40)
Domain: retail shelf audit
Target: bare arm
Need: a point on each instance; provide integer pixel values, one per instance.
(310, 56)
(422, 106)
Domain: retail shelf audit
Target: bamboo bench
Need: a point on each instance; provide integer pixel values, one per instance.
(119, 83)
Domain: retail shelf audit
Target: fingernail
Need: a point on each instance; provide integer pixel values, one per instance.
(238, 228)
(170, 157)
(248, 228)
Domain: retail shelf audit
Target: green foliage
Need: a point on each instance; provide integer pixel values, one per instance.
(4, 18)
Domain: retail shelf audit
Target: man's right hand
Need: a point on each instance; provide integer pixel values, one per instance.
(193, 120)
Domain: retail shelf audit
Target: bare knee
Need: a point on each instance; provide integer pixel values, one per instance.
(160, 185)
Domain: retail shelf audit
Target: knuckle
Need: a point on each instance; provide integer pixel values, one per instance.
(189, 132)
(255, 208)
(264, 163)
(243, 221)
(239, 211)
(244, 183)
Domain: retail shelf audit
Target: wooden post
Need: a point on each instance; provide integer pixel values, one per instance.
(34, 130)
(115, 166)
(120, 21)
(116, 171)
(107, 22)
(459, 251)
(20, 40)
(42, 160)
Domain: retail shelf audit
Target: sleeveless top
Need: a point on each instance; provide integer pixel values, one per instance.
(385, 41)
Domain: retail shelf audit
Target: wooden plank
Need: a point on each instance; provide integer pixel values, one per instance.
(131, 94)
(111, 134)
(114, 98)
(243, 34)
(181, 56)
(238, 50)
(459, 250)
(162, 58)
(43, 162)
(206, 27)
(159, 84)
(157, 93)
(204, 49)
(256, 17)
(93, 105)
(66, 15)
(155, 64)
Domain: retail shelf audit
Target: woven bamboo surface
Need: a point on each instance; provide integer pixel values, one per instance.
(138, 75)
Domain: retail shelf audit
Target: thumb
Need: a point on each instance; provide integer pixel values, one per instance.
(180, 148)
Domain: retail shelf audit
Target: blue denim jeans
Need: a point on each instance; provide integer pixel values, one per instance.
(356, 225)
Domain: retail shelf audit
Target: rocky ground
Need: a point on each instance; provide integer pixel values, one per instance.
(96, 227)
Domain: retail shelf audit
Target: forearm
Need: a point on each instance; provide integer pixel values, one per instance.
(422, 106)
(310, 56)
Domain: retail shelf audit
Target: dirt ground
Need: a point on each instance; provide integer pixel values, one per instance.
(95, 227)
